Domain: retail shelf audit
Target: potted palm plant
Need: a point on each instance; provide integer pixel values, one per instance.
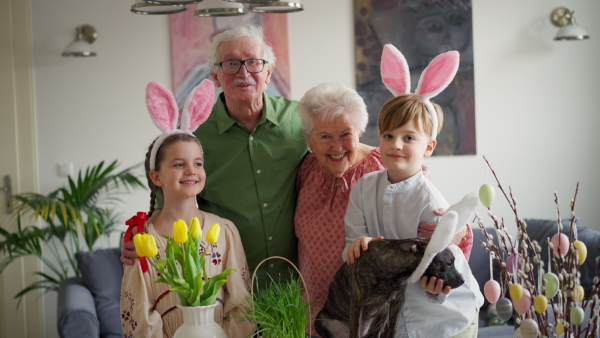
(73, 218)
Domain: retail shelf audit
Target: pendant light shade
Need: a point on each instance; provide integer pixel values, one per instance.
(219, 8)
(142, 7)
(569, 30)
(276, 7)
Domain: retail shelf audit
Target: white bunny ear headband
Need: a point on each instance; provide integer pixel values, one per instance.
(434, 79)
(165, 113)
(458, 213)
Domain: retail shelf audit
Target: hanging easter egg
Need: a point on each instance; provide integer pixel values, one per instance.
(529, 328)
(516, 291)
(512, 262)
(492, 291)
(551, 286)
(560, 329)
(504, 308)
(540, 303)
(578, 293)
(561, 245)
(517, 333)
(487, 194)
(577, 315)
(524, 303)
(581, 251)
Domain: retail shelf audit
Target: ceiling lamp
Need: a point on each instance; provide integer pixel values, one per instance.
(142, 7)
(172, 2)
(276, 7)
(563, 17)
(219, 8)
(81, 46)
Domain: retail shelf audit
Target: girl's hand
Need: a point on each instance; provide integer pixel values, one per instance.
(355, 248)
(128, 254)
(434, 286)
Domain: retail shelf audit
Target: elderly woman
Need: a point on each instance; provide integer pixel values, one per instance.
(333, 117)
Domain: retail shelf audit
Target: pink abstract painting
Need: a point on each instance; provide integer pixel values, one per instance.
(191, 38)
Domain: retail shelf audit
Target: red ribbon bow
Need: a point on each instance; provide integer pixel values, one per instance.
(138, 220)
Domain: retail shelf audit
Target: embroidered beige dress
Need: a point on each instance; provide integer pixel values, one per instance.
(148, 309)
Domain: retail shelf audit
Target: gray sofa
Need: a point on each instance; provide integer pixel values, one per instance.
(88, 306)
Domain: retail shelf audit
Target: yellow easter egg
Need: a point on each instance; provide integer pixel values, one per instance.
(487, 194)
(578, 293)
(577, 315)
(516, 291)
(560, 329)
(581, 251)
(540, 303)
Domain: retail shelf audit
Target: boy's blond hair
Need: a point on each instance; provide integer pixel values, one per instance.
(402, 109)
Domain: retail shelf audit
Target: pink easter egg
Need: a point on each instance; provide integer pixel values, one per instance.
(513, 261)
(524, 303)
(491, 290)
(560, 241)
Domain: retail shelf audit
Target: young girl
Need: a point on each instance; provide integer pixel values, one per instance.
(174, 167)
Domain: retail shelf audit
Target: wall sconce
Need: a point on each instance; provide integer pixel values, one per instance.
(563, 17)
(219, 8)
(147, 8)
(276, 7)
(81, 46)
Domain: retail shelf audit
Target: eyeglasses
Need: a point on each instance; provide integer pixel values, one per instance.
(231, 67)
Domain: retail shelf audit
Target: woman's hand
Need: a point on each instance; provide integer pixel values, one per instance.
(355, 248)
(434, 286)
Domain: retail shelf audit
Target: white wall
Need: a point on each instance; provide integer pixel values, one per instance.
(535, 98)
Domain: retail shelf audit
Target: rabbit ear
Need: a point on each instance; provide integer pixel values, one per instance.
(394, 71)
(162, 106)
(438, 74)
(198, 105)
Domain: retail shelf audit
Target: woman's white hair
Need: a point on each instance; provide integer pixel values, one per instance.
(330, 100)
(247, 30)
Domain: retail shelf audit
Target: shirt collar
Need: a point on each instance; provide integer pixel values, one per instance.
(224, 121)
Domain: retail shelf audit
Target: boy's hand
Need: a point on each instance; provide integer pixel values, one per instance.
(434, 286)
(355, 248)
(128, 254)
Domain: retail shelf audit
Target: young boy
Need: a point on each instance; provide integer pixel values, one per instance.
(392, 202)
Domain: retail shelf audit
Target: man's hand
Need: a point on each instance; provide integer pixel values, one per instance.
(355, 248)
(128, 254)
(434, 286)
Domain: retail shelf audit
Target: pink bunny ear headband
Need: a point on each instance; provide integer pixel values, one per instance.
(434, 79)
(165, 113)
(458, 213)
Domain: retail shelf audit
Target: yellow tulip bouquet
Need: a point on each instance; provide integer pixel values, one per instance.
(194, 286)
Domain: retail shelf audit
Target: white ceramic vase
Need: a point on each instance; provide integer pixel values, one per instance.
(199, 322)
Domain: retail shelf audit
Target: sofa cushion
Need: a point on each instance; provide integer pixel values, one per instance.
(102, 272)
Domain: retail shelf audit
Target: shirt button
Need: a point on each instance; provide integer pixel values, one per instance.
(271, 266)
(385, 207)
(407, 319)
(270, 238)
(258, 171)
(265, 205)
(251, 138)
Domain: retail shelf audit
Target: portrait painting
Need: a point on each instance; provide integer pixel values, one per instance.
(191, 37)
(421, 30)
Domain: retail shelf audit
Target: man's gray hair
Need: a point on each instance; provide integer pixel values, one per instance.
(247, 30)
(330, 100)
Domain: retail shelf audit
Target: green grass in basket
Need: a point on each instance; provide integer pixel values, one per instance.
(279, 310)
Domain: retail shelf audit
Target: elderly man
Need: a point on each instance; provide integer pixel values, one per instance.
(252, 146)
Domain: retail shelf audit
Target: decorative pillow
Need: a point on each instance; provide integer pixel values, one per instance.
(102, 272)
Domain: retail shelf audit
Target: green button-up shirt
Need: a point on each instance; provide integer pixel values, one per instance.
(251, 179)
